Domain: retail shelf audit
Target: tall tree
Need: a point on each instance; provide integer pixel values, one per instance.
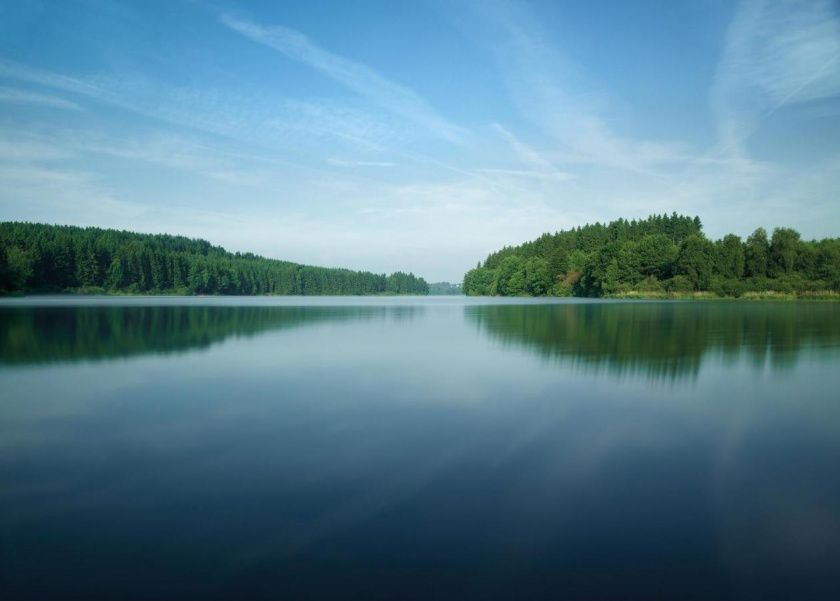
(730, 259)
(783, 249)
(757, 254)
(657, 254)
(696, 260)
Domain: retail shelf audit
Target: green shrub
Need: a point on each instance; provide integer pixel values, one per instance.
(679, 283)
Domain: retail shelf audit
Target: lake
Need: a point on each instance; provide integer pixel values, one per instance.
(418, 448)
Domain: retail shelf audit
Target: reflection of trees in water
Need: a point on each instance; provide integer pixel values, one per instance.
(662, 340)
(44, 334)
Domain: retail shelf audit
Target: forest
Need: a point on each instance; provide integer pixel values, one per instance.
(38, 258)
(663, 255)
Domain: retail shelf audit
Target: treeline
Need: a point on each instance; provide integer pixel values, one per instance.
(659, 255)
(57, 258)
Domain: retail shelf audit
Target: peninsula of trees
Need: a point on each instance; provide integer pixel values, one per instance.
(658, 256)
(56, 258)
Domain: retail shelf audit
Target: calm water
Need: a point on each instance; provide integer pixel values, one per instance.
(419, 448)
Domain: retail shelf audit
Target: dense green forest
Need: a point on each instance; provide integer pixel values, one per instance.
(58, 258)
(657, 256)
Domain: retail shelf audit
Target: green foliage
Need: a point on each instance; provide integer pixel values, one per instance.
(695, 260)
(562, 288)
(537, 276)
(660, 254)
(757, 254)
(649, 284)
(479, 281)
(783, 251)
(729, 257)
(15, 269)
(728, 287)
(827, 267)
(657, 254)
(48, 258)
(605, 271)
(510, 277)
(679, 283)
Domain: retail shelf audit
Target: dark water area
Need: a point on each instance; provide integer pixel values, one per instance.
(418, 448)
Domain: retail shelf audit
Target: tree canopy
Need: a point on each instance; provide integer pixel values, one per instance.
(663, 253)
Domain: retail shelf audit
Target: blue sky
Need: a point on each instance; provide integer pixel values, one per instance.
(417, 135)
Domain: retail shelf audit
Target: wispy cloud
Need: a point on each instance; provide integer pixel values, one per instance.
(277, 126)
(557, 176)
(544, 168)
(47, 194)
(16, 146)
(554, 94)
(375, 175)
(21, 72)
(302, 121)
(356, 76)
(776, 54)
(353, 163)
(14, 95)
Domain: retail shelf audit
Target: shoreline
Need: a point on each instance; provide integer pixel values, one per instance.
(771, 295)
(767, 295)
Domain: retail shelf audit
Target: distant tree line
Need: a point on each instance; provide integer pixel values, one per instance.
(58, 258)
(660, 254)
(444, 289)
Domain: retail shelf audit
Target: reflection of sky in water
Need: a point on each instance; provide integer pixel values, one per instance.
(423, 448)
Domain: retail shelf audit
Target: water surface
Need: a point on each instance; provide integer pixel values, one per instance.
(418, 448)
